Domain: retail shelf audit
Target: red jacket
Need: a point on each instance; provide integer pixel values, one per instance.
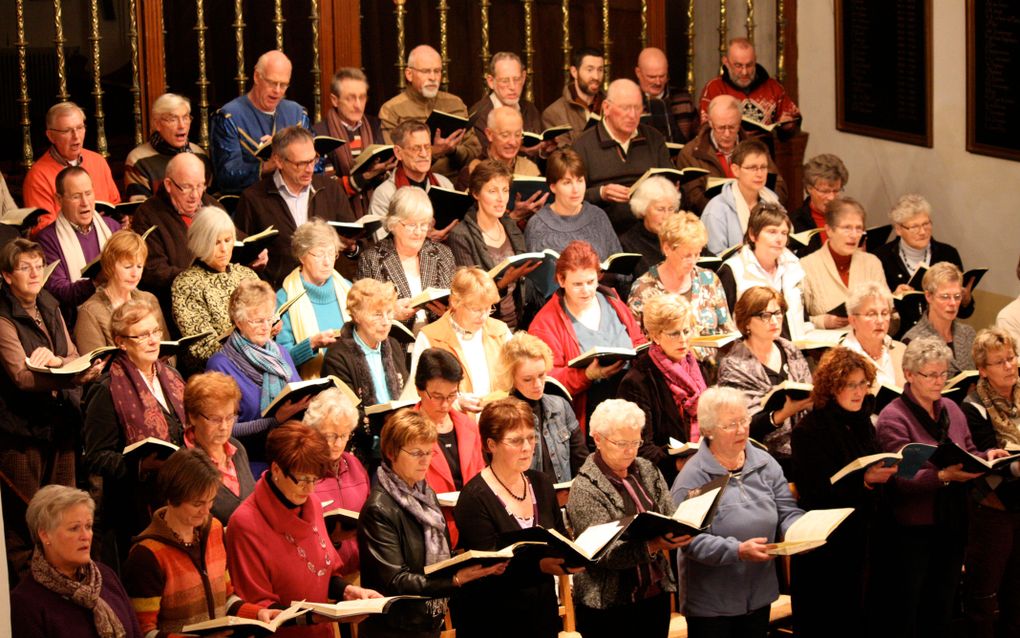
(469, 449)
(553, 326)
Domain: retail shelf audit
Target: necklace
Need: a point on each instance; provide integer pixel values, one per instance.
(178, 537)
(508, 490)
(495, 238)
(304, 555)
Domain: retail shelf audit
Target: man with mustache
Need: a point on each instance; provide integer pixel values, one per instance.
(65, 129)
(582, 96)
(451, 150)
(145, 165)
(669, 109)
(762, 98)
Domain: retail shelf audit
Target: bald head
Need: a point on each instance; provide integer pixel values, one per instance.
(622, 108)
(504, 130)
(185, 182)
(424, 70)
(272, 77)
(652, 71)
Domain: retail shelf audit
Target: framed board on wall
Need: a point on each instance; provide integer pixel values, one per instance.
(993, 94)
(883, 69)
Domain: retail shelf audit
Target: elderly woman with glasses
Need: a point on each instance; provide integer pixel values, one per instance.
(365, 357)
(560, 447)
(825, 177)
(260, 367)
(944, 292)
(914, 247)
(655, 200)
(730, 580)
(468, 331)
(346, 484)
(666, 382)
(627, 591)
(139, 397)
(65, 593)
(121, 263)
(201, 294)
(211, 401)
(869, 307)
(993, 538)
(926, 543)
(505, 498)
(313, 323)
(407, 257)
(829, 583)
(402, 530)
(278, 549)
(832, 270)
(761, 361)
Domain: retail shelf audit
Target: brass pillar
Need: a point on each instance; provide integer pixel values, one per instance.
(483, 7)
(97, 79)
(780, 41)
(750, 20)
(606, 42)
(278, 22)
(203, 81)
(242, 79)
(401, 13)
(723, 30)
(316, 71)
(565, 8)
(136, 85)
(26, 121)
(690, 47)
(444, 9)
(58, 40)
(644, 23)
(529, 49)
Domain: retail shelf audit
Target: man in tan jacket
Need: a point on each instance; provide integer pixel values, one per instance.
(582, 96)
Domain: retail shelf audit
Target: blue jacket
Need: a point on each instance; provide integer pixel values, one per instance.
(721, 219)
(757, 503)
(560, 425)
(236, 131)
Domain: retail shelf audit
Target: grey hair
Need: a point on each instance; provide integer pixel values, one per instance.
(62, 108)
(315, 233)
(941, 273)
(490, 119)
(725, 101)
(414, 53)
(650, 191)
(839, 207)
(615, 413)
(908, 206)
(346, 73)
(863, 291)
(331, 406)
(48, 506)
(825, 166)
(210, 222)
(500, 56)
(263, 60)
(167, 103)
(923, 351)
(404, 203)
(249, 294)
(713, 401)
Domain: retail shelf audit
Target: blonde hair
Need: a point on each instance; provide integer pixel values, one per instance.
(370, 294)
(683, 229)
(519, 347)
(664, 311)
(472, 283)
(404, 427)
(122, 245)
(939, 274)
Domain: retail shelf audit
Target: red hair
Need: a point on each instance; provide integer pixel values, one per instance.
(578, 255)
(298, 449)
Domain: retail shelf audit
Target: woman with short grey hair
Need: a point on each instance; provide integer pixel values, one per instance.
(313, 323)
(65, 593)
(944, 293)
(627, 591)
(407, 257)
(926, 543)
(869, 307)
(731, 581)
(200, 296)
(653, 202)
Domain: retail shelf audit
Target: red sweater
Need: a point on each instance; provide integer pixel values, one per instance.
(40, 189)
(347, 488)
(469, 450)
(553, 326)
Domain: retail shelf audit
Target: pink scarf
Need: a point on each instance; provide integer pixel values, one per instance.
(685, 382)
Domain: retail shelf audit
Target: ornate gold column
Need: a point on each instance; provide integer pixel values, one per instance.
(203, 81)
(565, 9)
(750, 20)
(529, 49)
(644, 23)
(606, 43)
(136, 87)
(690, 46)
(316, 71)
(401, 13)
(58, 40)
(26, 121)
(278, 21)
(444, 9)
(483, 8)
(780, 41)
(97, 79)
(242, 79)
(723, 30)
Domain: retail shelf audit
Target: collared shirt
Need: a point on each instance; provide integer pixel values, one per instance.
(296, 202)
(373, 356)
(496, 104)
(625, 145)
(63, 162)
(885, 369)
(228, 471)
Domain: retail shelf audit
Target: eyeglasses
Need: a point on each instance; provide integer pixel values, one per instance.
(332, 438)
(381, 316)
(757, 168)
(768, 317)
(826, 191)
(327, 258)
(483, 312)
(418, 149)
(740, 424)
(934, 376)
(280, 86)
(155, 333)
(306, 481)
(725, 128)
(517, 442)
(917, 228)
(302, 165)
(261, 323)
(1008, 362)
(625, 445)
(176, 119)
(419, 227)
(860, 385)
(632, 109)
(677, 334)
(230, 419)
(187, 188)
(80, 130)
(29, 268)
(436, 71)
(945, 296)
(418, 455)
(511, 81)
(875, 316)
(851, 230)
(442, 398)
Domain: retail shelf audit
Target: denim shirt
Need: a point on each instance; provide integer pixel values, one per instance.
(559, 425)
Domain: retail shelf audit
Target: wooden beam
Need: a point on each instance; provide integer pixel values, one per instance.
(339, 40)
(657, 24)
(151, 56)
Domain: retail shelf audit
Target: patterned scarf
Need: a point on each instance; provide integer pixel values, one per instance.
(84, 592)
(140, 414)
(419, 502)
(343, 156)
(164, 147)
(401, 179)
(1001, 412)
(685, 382)
(264, 365)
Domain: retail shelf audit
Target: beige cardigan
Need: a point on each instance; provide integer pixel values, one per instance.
(92, 328)
(822, 286)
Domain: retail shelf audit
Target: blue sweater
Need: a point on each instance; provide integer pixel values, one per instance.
(756, 504)
(327, 315)
(249, 418)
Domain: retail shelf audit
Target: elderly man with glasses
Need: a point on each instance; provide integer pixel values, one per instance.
(413, 150)
(506, 78)
(145, 166)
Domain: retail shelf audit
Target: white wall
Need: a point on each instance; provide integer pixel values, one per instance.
(975, 199)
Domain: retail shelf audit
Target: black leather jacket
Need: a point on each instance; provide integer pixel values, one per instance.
(391, 545)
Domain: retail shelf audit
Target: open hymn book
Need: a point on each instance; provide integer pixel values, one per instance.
(582, 551)
(349, 608)
(809, 531)
(910, 458)
(693, 516)
(451, 566)
(246, 626)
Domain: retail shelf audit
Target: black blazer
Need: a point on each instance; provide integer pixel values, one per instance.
(802, 220)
